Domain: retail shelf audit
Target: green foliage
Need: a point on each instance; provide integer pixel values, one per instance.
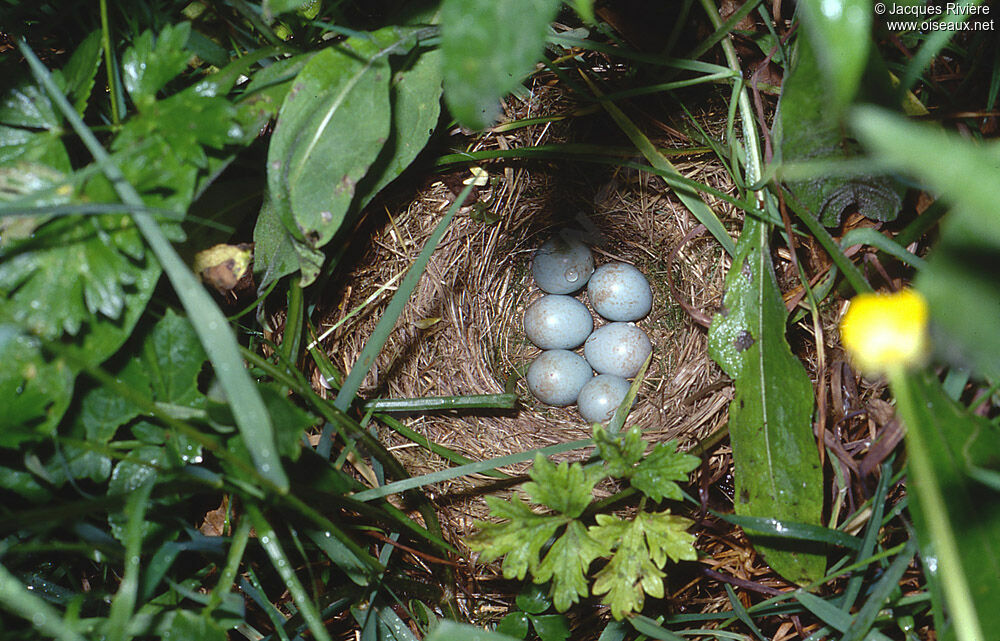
(532, 602)
(638, 548)
(963, 296)
(332, 134)
(778, 474)
(488, 51)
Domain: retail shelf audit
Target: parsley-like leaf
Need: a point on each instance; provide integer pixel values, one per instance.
(566, 564)
(641, 549)
(521, 537)
(619, 452)
(656, 474)
(564, 488)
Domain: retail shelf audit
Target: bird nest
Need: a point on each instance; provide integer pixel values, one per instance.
(461, 331)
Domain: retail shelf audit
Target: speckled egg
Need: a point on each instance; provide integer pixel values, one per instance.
(617, 348)
(601, 396)
(562, 265)
(555, 321)
(557, 376)
(619, 292)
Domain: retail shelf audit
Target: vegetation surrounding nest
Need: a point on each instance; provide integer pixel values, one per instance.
(353, 452)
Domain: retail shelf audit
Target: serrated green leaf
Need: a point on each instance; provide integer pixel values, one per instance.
(566, 564)
(656, 475)
(71, 272)
(140, 467)
(331, 128)
(667, 537)
(150, 63)
(25, 104)
(631, 573)
(620, 452)
(488, 48)
(566, 488)
(521, 537)
(776, 460)
(81, 70)
(290, 421)
(36, 389)
(38, 148)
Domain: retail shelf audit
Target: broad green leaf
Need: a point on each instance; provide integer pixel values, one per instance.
(551, 627)
(566, 488)
(657, 474)
(957, 516)
(151, 62)
(841, 33)
(488, 48)
(140, 467)
(81, 70)
(36, 389)
(192, 626)
(514, 625)
(958, 281)
(447, 630)
(806, 129)
(276, 251)
(533, 599)
(30, 147)
(415, 96)
(778, 474)
(521, 537)
(331, 128)
(566, 564)
(26, 105)
(263, 97)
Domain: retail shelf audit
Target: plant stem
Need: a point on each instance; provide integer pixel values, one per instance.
(956, 589)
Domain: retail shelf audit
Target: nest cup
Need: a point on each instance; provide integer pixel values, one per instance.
(461, 331)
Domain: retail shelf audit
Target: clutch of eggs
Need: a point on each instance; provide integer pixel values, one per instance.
(559, 323)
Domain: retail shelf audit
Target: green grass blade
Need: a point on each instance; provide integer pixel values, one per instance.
(879, 594)
(439, 403)
(775, 528)
(451, 631)
(210, 324)
(689, 197)
(123, 604)
(741, 612)
(431, 446)
(868, 236)
(269, 541)
(237, 545)
(463, 470)
(16, 598)
(649, 627)
(385, 324)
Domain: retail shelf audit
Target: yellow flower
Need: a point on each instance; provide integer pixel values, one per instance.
(886, 331)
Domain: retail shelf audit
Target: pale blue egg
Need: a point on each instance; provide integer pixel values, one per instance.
(601, 396)
(619, 292)
(617, 348)
(562, 265)
(557, 376)
(555, 321)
